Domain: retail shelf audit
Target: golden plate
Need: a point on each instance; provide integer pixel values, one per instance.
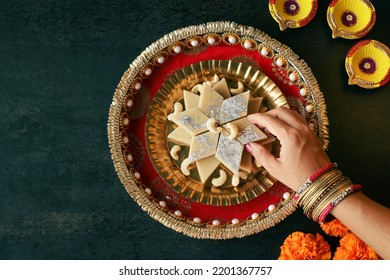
(368, 64)
(158, 127)
(351, 19)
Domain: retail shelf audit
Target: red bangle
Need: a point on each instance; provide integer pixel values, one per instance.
(321, 171)
(312, 178)
(336, 201)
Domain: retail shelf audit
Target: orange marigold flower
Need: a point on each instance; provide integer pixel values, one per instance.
(304, 246)
(352, 248)
(335, 228)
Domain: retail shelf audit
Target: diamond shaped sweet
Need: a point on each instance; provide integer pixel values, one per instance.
(223, 141)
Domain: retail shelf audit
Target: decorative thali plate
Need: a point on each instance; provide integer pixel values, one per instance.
(146, 90)
(158, 128)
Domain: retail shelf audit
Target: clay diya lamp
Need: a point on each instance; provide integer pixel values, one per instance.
(350, 19)
(292, 13)
(368, 64)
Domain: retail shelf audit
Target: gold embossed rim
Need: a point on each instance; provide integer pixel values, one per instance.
(126, 89)
(157, 128)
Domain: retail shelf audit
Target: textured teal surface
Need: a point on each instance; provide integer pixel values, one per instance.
(60, 62)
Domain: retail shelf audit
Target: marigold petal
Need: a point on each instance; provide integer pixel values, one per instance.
(305, 246)
(352, 248)
(335, 228)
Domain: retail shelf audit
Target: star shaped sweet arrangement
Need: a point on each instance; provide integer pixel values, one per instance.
(214, 126)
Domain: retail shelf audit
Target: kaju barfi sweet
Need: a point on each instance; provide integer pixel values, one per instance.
(213, 124)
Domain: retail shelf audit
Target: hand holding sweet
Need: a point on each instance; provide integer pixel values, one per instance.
(301, 152)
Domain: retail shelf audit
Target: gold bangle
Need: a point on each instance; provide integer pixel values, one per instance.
(340, 189)
(315, 198)
(308, 193)
(328, 192)
(320, 178)
(318, 187)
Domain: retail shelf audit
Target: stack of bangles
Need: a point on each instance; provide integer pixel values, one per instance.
(323, 191)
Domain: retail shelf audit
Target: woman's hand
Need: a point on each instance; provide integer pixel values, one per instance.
(301, 152)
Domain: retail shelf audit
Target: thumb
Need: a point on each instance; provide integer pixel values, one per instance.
(263, 156)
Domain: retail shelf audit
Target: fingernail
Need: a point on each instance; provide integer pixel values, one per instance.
(249, 148)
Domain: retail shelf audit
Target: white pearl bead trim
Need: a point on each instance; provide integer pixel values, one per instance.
(309, 108)
(163, 204)
(137, 86)
(286, 195)
(215, 222)
(178, 213)
(161, 60)
(130, 103)
(177, 49)
(137, 175)
(232, 40)
(248, 45)
(126, 140)
(303, 92)
(129, 157)
(292, 77)
(148, 72)
(211, 41)
(264, 52)
(271, 207)
(280, 62)
(194, 43)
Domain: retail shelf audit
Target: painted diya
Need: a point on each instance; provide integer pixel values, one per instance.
(177, 128)
(351, 19)
(292, 13)
(368, 64)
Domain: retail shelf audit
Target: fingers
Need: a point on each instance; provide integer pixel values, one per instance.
(263, 156)
(280, 121)
(274, 125)
(291, 117)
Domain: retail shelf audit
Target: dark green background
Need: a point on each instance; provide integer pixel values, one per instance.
(60, 62)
